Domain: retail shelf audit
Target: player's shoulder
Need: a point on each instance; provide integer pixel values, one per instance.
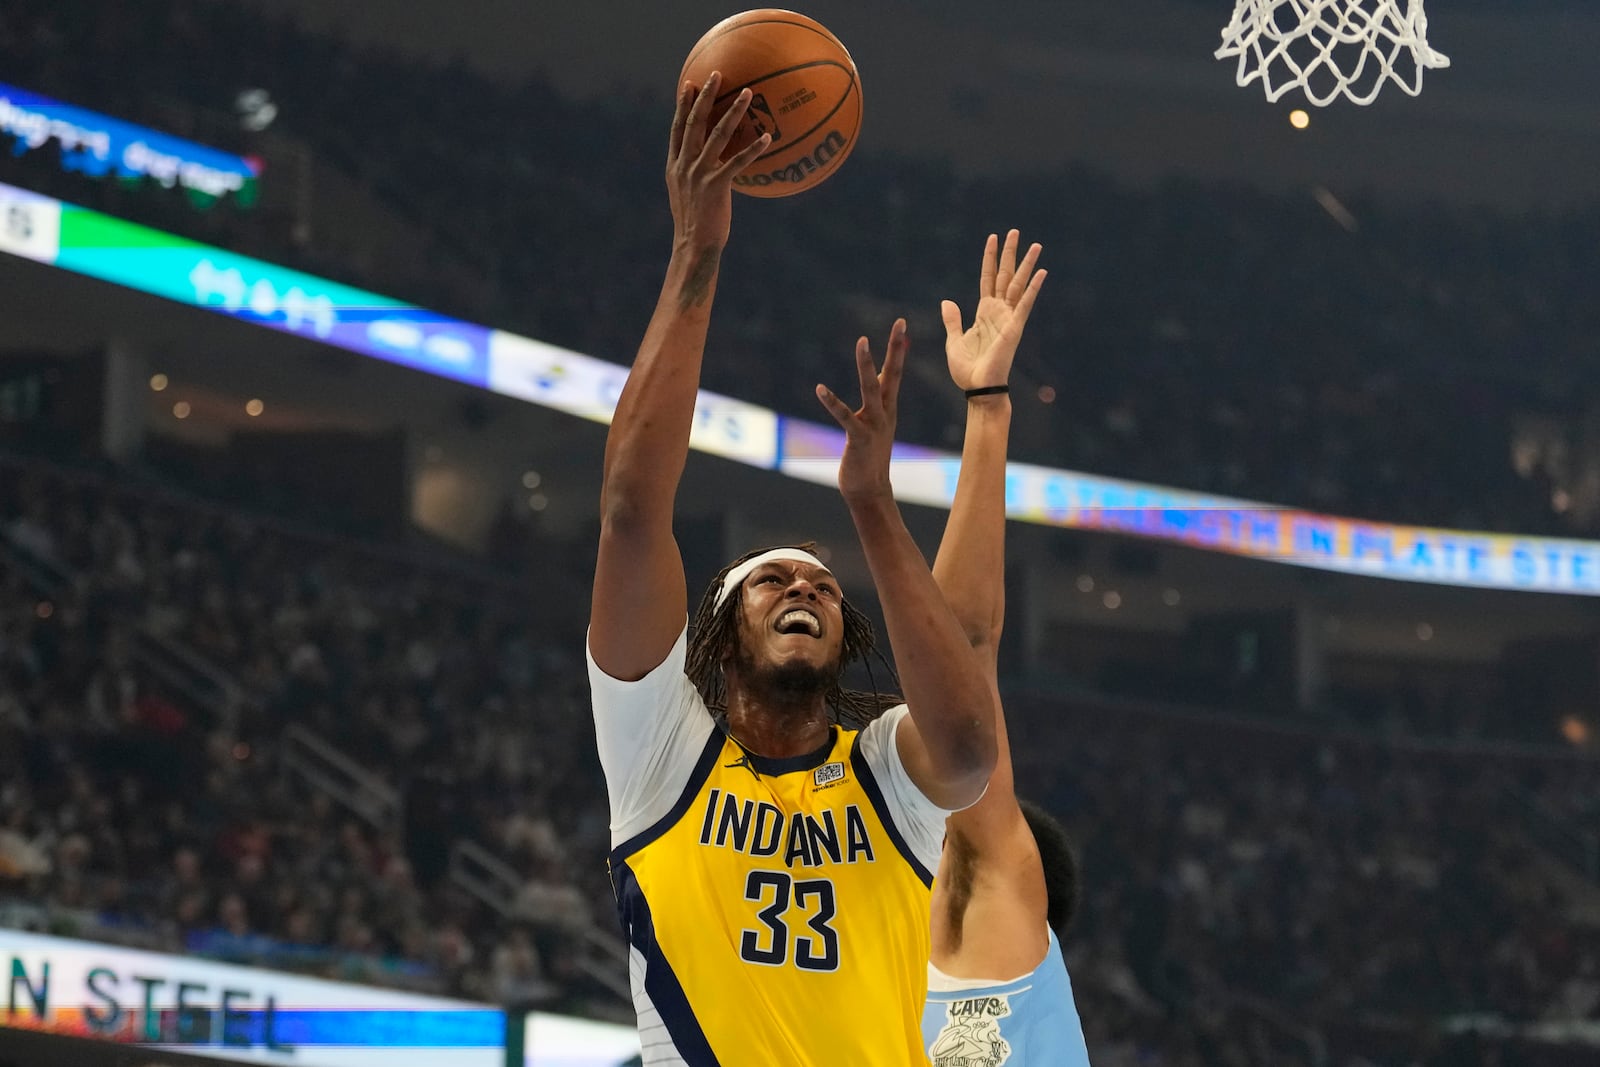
(881, 729)
(652, 734)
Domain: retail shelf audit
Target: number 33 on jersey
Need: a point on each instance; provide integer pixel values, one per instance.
(778, 912)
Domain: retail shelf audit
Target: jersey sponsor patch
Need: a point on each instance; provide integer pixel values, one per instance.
(828, 774)
(971, 1034)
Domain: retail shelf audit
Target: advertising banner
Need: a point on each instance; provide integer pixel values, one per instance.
(1054, 497)
(587, 387)
(30, 225)
(98, 145)
(138, 257)
(244, 1014)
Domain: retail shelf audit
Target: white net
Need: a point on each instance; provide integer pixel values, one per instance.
(1330, 48)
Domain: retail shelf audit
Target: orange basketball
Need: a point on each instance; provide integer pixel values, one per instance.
(807, 95)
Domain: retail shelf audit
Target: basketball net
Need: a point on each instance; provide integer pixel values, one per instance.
(1330, 48)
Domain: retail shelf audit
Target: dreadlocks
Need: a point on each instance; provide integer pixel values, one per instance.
(714, 630)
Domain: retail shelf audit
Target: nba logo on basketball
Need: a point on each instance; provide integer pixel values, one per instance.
(761, 120)
(828, 774)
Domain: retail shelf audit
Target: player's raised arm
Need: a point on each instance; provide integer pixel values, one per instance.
(970, 566)
(640, 601)
(947, 741)
(991, 841)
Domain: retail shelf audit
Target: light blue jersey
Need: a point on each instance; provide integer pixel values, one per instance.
(1028, 1022)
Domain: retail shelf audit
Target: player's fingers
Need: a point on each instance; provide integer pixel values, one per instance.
(951, 313)
(836, 407)
(1008, 264)
(894, 368)
(867, 372)
(722, 133)
(694, 130)
(1025, 302)
(1023, 278)
(991, 248)
(680, 119)
(751, 153)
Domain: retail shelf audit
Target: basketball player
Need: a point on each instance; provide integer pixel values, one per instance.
(998, 991)
(774, 836)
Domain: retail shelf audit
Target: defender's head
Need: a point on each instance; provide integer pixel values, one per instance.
(1062, 887)
(776, 621)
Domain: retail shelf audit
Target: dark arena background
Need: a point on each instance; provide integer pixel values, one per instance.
(1302, 645)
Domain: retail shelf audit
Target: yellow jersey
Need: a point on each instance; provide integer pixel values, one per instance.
(777, 910)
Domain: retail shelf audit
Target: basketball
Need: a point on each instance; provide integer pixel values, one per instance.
(807, 95)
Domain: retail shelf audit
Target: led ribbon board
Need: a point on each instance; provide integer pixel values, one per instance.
(1052, 497)
(243, 1014)
(98, 145)
(150, 261)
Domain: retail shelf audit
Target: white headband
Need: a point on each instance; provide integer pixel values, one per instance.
(737, 576)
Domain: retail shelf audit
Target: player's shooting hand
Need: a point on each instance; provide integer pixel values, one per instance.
(699, 180)
(981, 355)
(869, 430)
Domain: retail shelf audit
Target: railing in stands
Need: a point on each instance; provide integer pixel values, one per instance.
(489, 879)
(47, 577)
(1576, 846)
(324, 767)
(484, 876)
(197, 677)
(181, 669)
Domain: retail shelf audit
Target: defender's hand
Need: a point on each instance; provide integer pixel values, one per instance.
(981, 355)
(869, 430)
(699, 182)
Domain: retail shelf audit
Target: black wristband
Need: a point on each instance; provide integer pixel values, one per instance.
(988, 390)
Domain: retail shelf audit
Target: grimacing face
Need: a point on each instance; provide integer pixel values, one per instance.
(792, 619)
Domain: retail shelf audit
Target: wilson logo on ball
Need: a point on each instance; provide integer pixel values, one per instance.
(803, 169)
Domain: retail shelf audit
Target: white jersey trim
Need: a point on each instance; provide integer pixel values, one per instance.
(650, 734)
(939, 982)
(919, 820)
(655, 1043)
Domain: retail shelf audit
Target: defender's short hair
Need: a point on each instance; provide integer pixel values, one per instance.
(1061, 872)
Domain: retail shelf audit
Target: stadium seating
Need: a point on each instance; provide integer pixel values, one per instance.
(1264, 882)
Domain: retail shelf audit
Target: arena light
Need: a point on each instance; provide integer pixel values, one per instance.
(1575, 730)
(255, 109)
